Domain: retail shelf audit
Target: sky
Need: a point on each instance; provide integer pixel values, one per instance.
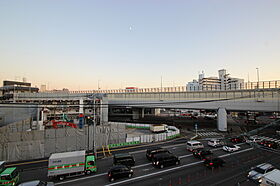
(119, 43)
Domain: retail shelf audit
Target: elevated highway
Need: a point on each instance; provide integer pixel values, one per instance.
(260, 96)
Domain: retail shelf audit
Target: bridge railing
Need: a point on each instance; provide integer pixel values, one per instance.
(232, 86)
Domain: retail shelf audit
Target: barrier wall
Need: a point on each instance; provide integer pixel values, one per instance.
(18, 144)
(172, 132)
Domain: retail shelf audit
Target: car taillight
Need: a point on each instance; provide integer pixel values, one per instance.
(199, 153)
(109, 174)
(210, 163)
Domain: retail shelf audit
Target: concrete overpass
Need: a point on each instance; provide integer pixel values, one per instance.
(263, 100)
(260, 96)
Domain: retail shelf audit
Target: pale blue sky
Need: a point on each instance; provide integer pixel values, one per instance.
(74, 44)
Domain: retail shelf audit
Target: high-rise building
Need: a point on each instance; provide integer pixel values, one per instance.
(223, 82)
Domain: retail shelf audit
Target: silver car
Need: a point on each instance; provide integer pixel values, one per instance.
(37, 183)
(257, 172)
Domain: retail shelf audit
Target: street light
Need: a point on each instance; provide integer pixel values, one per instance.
(258, 76)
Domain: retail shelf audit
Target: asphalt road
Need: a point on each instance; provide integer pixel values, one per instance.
(191, 171)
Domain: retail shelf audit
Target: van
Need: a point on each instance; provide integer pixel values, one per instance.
(192, 145)
(150, 153)
(215, 143)
(271, 178)
(163, 160)
(124, 159)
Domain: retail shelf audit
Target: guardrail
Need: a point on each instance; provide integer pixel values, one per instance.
(232, 86)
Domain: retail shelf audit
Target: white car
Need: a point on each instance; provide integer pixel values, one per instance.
(253, 140)
(231, 148)
(215, 143)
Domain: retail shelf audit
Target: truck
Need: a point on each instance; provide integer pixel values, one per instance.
(271, 178)
(158, 128)
(68, 164)
(8, 175)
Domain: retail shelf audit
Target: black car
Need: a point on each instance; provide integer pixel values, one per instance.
(270, 144)
(164, 159)
(201, 153)
(119, 171)
(124, 159)
(156, 150)
(212, 162)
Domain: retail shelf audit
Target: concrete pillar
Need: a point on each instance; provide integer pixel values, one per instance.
(142, 112)
(222, 119)
(155, 112)
(81, 106)
(104, 110)
(135, 113)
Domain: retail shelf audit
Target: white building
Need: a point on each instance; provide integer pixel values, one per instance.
(223, 82)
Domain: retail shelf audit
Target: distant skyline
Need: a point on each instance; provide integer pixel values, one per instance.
(116, 44)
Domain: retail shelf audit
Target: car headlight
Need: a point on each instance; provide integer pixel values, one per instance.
(157, 162)
(260, 180)
(131, 170)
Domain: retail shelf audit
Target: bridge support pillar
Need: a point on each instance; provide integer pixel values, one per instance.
(142, 112)
(155, 112)
(222, 119)
(136, 112)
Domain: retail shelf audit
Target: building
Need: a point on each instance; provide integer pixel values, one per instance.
(43, 88)
(9, 88)
(222, 82)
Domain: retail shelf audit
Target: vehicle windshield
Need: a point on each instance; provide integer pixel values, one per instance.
(259, 170)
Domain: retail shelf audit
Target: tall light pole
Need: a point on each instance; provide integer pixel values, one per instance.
(98, 85)
(258, 76)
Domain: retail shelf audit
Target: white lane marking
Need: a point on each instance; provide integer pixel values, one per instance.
(174, 168)
(82, 178)
(237, 152)
(138, 166)
(143, 165)
(139, 151)
(155, 173)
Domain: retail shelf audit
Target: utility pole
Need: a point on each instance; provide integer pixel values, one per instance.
(161, 83)
(258, 76)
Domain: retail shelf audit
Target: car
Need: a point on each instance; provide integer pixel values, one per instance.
(192, 145)
(201, 153)
(258, 171)
(36, 183)
(237, 140)
(119, 171)
(163, 160)
(150, 153)
(124, 159)
(270, 144)
(215, 143)
(253, 140)
(212, 162)
(231, 148)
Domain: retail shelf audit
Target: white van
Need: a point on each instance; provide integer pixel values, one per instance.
(215, 143)
(271, 178)
(192, 145)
